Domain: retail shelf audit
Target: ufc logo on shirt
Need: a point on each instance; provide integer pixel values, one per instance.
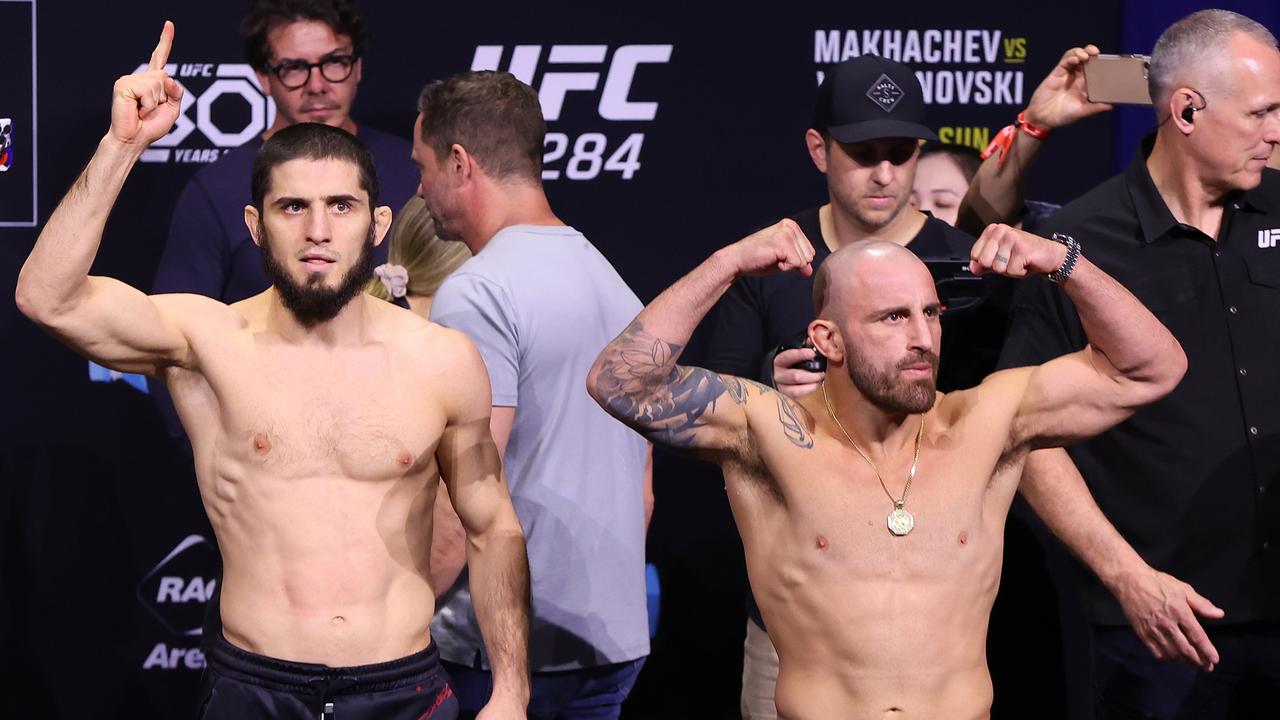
(1268, 238)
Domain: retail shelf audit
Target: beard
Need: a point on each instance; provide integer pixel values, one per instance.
(888, 391)
(311, 302)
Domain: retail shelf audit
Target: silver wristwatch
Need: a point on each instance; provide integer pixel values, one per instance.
(1069, 262)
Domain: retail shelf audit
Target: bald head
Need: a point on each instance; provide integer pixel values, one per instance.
(859, 272)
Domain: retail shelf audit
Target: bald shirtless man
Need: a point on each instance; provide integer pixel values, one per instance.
(872, 511)
(321, 421)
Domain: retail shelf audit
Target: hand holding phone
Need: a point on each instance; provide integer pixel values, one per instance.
(1118, 79)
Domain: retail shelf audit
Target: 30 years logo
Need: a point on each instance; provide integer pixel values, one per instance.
(223, 107)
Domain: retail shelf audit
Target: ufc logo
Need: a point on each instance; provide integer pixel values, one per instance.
(615, 101)
(1268, 238)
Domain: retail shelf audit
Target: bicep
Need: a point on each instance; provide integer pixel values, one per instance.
(693, 409)
(1072, 398)
(470, 464)
(122, 328)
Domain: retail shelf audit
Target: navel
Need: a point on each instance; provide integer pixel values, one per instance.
(337, 620)
(964, 537)
(821, 542)
(261, 444)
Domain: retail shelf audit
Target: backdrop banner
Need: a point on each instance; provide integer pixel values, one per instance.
(674, 128)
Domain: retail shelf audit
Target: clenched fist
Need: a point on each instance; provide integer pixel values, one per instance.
(145, 105)
(1014, 253)
(779, 247)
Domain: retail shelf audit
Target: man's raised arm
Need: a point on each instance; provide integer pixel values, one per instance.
(1062, 98)
(636, 378)
(102, 318)
(1131, 360)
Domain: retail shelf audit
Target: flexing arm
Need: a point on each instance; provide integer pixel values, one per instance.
(995, 194)
(104, 319)
(496, 558)
(636, 378)
(1161, 608)
(1131, 360)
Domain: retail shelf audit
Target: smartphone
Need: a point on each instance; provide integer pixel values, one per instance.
(1118, 79)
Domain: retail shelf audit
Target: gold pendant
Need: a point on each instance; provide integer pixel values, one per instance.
(900, 522)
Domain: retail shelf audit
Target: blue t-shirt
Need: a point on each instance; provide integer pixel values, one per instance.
(540, 303)
(209, 251)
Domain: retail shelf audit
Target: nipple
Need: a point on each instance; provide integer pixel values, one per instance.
(261, 444)
(821, 542)
(404, 458)
(964, 537)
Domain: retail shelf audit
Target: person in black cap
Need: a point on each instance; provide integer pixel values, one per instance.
(868, 121)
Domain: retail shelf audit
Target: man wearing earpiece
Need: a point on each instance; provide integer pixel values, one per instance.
(1193, 481)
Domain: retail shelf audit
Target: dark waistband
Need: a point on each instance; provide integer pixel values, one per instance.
(323, 679)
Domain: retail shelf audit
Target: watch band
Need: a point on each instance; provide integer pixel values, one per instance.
(1069, 262)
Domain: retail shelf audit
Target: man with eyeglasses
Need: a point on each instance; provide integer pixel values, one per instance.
(308, 56)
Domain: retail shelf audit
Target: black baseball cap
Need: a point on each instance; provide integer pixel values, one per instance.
(868, 98)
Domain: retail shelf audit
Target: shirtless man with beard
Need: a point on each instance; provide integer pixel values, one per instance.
(872, 511)
(321, 419)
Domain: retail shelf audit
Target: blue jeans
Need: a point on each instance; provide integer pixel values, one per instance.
(588, 694)
(1130, 684)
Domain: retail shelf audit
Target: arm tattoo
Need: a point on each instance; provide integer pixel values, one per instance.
(792, 427)
(738, 388)
(642, 385)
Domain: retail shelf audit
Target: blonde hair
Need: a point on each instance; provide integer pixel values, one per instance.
(416, 247)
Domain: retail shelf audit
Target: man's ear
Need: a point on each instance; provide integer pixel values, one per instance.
(381, 223)
(251, 219)
(462, 165)
(825, 338)
(817, 146)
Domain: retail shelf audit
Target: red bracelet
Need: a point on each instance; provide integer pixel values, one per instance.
(1004, 139)
(1038, 133)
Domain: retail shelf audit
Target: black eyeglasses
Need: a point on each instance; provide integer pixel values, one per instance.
(293, 74)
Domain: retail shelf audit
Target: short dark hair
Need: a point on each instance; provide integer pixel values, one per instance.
(313, 141)
(965, 157)
(342, 16)
(493, 115)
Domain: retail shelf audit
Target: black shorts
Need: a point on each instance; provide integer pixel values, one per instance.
(239, 685)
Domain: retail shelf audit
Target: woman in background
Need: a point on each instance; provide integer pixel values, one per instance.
(943, 174)
(418, 261)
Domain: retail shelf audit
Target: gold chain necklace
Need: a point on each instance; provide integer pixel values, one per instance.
(900, 520)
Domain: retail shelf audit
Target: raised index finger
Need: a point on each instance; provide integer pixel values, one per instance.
(160, 56)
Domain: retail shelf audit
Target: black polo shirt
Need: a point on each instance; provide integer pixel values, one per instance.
(758, 314)
(1190, 480)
